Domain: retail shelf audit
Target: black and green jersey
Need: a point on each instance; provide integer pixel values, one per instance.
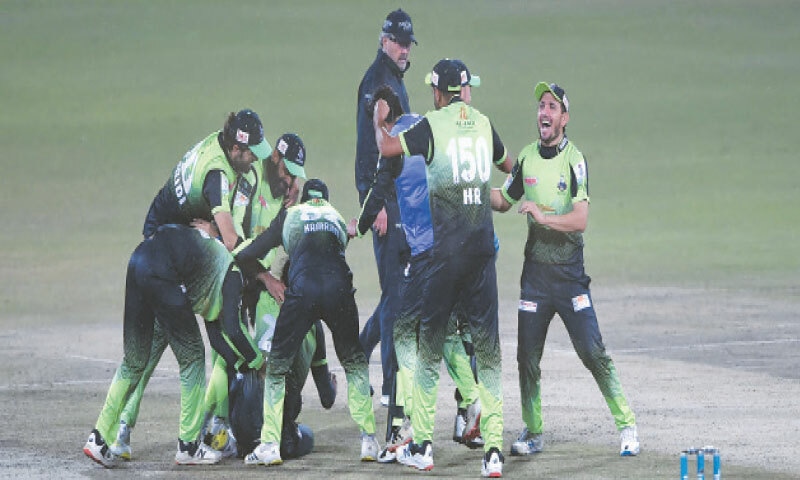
(313, 234)
(201, 263)
(555, 184)
(461, 149)
(185, 195)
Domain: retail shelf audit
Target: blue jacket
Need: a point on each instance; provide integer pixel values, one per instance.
(383, 71)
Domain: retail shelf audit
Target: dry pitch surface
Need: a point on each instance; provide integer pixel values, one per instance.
(699, 367)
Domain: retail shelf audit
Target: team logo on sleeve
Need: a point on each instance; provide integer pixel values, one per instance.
(581, 302)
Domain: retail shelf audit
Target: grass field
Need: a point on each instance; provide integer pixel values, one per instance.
(685, 110)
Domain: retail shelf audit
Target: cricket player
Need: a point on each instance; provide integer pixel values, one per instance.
(460, 148)
(410, 182)
(551, 180)
(178, 272)
(320, 285)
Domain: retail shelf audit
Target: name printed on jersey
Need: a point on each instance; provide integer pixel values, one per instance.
(320, 227)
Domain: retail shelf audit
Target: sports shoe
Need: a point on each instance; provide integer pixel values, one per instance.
(417, 456)
(264, 454)
(629, 442)
(472, 429)
(400, 435)
(527, 443)
(196, 453)
(370, 448)
(476, 442)
(122, 445)
(97, 450)
(459, 425)
(492, 464)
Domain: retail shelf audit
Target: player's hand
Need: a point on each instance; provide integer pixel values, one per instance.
(534, 210)
(379, 226)
(275, 287)
(205, 226)
(352, 228)
(380, 112)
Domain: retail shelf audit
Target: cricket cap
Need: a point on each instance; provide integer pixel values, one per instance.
(293, 152)
(555, 90)
(246, 130)
(314, 188)
(399, 27)
(449, 75)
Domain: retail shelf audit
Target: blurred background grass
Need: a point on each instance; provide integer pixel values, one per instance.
(686, 111)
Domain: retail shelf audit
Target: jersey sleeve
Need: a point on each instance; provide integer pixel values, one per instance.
(232, 326)
(418, 140)
(580, 172)
(388, 169)
(248, 257)
(216, 191)
(499, 150)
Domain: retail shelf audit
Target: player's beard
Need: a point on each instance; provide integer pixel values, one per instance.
(239, 161)
(550, 140)
(277, 185)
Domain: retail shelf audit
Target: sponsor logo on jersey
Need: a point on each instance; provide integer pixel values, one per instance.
(580, 302)
(528, 306)
(531, 181)
(580, 171)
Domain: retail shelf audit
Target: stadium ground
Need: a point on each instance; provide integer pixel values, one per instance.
(687, 112)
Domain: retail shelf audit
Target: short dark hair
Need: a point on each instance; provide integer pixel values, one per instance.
(388, 94)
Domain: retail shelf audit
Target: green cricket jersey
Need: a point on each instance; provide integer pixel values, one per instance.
(555, 184)
(459, 167)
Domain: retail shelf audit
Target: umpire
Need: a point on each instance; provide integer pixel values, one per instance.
(388, 239)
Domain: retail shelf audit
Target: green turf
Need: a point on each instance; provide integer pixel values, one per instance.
(685, 110)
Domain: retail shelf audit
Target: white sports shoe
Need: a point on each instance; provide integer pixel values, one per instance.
(370, 448)
(459, 425)
(629, 442)
(399, 436)
(417, 456)
(492, 464)
(97, 450)
(527, 443)
(265, 454)
(122, 445)
(472, 429)
(196, 453)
